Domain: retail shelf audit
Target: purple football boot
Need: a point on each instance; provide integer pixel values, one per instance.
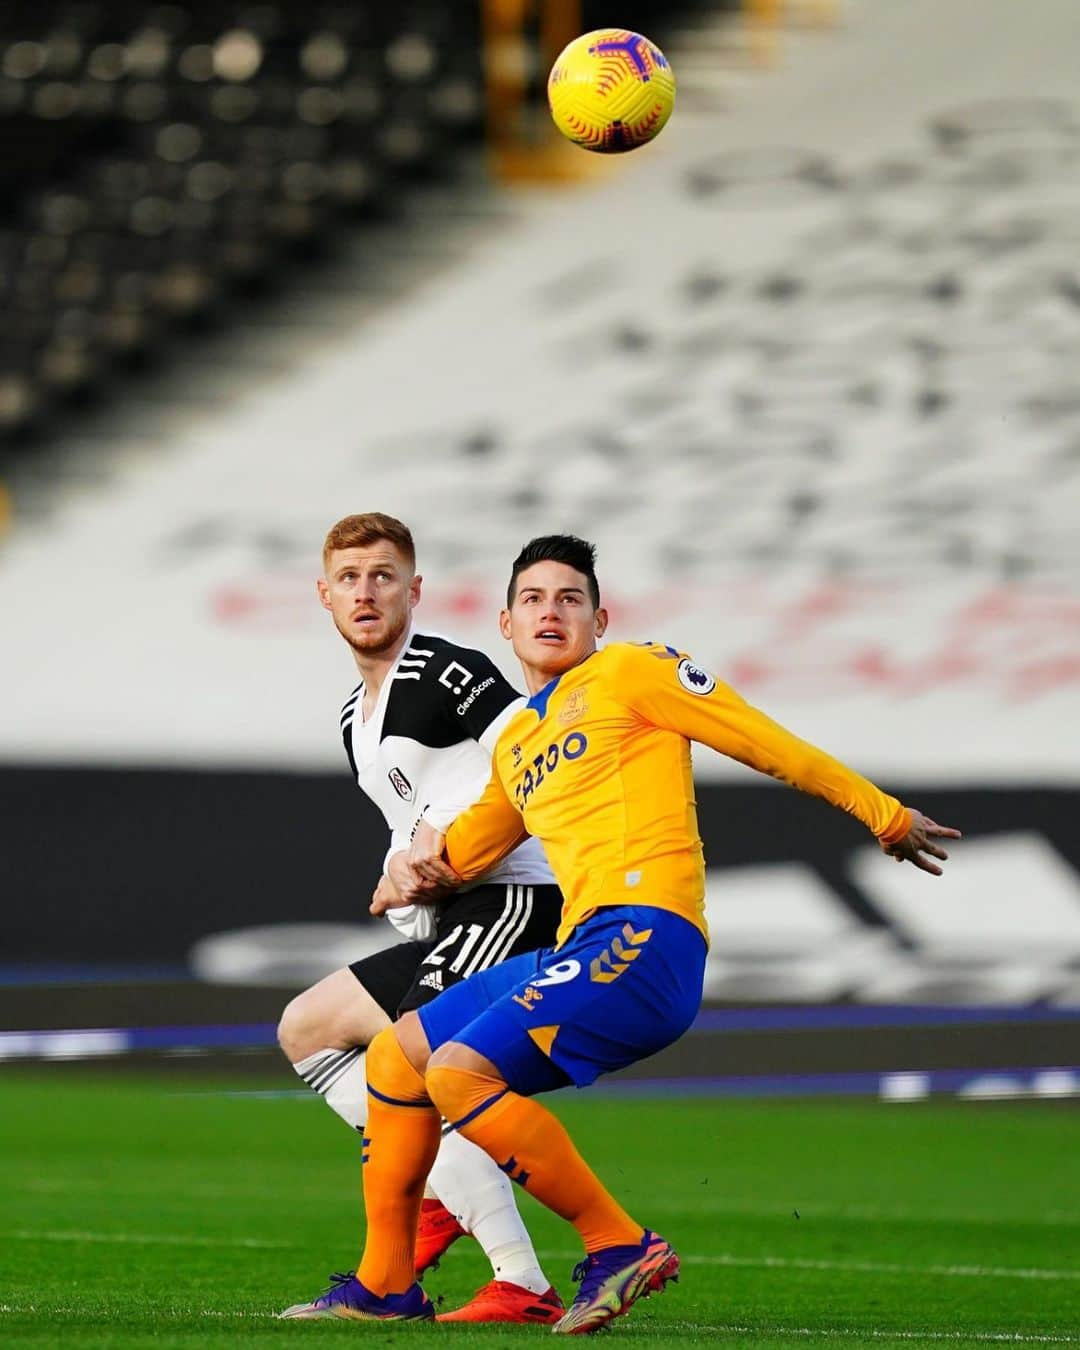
(614, 1278)
(347, 1297)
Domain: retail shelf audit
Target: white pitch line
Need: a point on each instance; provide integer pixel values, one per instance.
(140, 1239)
(161, 1314)
(256, 1094)
(862, 1267)
(882, 1334)
(878, 1213)
(1052, 1218)
(198, 1190)
(888, 1267)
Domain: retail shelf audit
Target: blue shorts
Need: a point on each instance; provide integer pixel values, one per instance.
(626, 984)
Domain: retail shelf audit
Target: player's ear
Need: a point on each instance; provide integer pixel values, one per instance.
(323, 589)
(601, 622)
(504, 623)
(414, 590)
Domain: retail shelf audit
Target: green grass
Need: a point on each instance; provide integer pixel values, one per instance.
(166, 1213)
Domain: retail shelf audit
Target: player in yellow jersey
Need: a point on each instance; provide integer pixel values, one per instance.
(597, 766)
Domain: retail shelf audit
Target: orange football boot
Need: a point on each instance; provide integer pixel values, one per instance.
(436, 1231)
(501, 1301)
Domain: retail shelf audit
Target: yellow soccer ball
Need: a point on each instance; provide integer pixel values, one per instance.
(611, 90)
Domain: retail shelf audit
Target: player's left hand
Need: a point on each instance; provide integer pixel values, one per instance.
(411, 886)
(401, 886)
(426, 855)
(919, 840)
(386, 896)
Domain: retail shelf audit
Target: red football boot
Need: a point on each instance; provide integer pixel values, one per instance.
(436, 1231)
(501, 1301)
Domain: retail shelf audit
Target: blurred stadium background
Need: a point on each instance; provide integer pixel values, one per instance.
(805, 369)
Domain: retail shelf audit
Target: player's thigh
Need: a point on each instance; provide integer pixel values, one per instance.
(626, 984)
(336, 1013)
(350, 1006)
(444, 1017)
(387, 976)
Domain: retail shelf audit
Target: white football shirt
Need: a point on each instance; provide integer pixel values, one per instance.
(428, 743)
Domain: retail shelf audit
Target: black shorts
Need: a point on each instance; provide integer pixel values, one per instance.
(476, 929)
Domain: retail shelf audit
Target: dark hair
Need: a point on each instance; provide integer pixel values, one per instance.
(371, 528)
(561, 548)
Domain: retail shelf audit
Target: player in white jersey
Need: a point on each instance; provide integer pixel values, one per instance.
(419, 730)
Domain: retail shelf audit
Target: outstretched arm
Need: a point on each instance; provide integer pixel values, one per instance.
(672, 692)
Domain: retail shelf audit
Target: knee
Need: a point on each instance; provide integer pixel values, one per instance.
(291, 1030)
(442, 1072)
(442, 1087)
(309, 1024)
(394, 1049)
(458, 1087)
(391, 1072)
(383, 1052)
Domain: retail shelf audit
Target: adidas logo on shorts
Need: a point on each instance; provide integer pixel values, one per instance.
(432, 980)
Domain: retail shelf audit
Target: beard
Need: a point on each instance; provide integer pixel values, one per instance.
(381, 638)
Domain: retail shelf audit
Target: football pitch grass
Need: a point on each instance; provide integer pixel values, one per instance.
(166, 1211)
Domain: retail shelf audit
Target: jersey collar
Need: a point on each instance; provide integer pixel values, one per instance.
(539, 700)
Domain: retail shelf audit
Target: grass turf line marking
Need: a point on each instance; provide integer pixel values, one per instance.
(256, 1094)
(198, 1190)
(873, 1213)
(175, 1314)
(887, 1267)
(722, 1329)
(141, 1239)
(860, 1267)
(882, 1334)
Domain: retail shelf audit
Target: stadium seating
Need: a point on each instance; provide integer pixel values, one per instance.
(158, 160)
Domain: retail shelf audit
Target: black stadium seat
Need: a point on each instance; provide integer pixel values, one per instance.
(157, 160)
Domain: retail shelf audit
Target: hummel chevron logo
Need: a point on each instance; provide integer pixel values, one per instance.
(610, 964)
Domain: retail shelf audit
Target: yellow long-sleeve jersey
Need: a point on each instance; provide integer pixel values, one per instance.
(597, 767)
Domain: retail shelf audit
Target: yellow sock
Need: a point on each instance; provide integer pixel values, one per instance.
(400, 1142)
(532, 1146)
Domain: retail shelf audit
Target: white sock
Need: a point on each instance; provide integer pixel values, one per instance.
(340, 1077)
(481, 1198)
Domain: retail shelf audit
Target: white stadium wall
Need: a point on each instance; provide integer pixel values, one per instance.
(806, 370)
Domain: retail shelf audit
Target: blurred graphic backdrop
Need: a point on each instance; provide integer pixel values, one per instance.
(805, 369)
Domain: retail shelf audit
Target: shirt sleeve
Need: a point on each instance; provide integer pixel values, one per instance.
(671, 691)
(476, 695)
(450, 806)
(484, 834)
(415, 923)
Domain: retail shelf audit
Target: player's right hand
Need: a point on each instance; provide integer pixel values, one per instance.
(919, 840)
(426, 855)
